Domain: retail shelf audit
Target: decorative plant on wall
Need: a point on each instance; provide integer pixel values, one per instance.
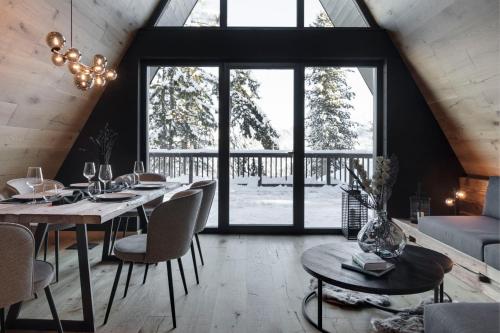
(104, 142)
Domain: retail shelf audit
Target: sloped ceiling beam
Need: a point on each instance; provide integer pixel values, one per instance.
(176, 13)
(452, 50)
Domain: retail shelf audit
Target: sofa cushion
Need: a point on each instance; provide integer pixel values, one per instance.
(492, 200)
(492, 255)
(467, 234)
(462, 318)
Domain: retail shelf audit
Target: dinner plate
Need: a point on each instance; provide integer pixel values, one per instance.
(79, 185)
(118, 196)
(149, 186)
(29, 196)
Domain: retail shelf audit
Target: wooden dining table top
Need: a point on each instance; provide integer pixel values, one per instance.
(81, 212)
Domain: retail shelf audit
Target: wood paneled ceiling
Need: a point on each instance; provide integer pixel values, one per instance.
(452, 50)
(41, 111)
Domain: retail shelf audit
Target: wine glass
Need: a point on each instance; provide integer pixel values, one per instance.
(89, 171)
(34, 178)
(138, 170)
(94, 188)
(50, 190)
(105, 174)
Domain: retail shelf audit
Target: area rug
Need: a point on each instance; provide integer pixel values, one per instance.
(409, 320)
(340, 296)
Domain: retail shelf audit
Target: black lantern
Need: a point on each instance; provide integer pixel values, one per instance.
(354, 214)
(420, 205)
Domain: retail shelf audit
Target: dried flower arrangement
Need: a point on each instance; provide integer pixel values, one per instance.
(379, 188)
(104, 142)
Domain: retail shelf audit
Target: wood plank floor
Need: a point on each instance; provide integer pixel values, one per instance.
(248, 284)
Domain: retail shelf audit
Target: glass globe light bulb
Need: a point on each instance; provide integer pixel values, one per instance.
(98, 69)
(101, 60)
(460, 195)
(55, 40)
(84, 81)
(73, 55)
(100, 81)
(449, 202)
(111, 74)
(74, 67)
(58, 59)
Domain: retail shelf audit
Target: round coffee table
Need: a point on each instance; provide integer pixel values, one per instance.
(417, 270)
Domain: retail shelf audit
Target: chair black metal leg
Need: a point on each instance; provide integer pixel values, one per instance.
(113, 291)
(53, 309)
(199, 248)
(126, 227)
(145, 274)
(45, 246)
(2, 320)
(56, 245)
(181, 269)
(113, 237)
(194, 263)
(171, 292)
(130, 267)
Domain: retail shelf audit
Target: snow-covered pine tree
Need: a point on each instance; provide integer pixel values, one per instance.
(328, 119)
(248, 123)
(183, 108)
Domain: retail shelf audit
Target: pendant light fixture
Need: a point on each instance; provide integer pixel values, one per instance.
(84, 76)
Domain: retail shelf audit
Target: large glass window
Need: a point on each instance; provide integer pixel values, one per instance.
(262, 13)
(315, 15)
(261, 135)
(183, 125)
(338, 129)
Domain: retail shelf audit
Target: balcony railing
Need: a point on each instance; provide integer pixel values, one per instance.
(267, 167)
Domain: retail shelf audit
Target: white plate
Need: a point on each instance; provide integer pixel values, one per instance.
(79, 185)
(149, 183)
(115, 196)
(30, 196)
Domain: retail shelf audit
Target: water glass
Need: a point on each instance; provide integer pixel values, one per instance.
(89, 171)
(94, 188)
(50, 191)
(105, 174)
(34, 178)
(138, 170)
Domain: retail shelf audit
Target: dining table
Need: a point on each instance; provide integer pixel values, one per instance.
(81, 214)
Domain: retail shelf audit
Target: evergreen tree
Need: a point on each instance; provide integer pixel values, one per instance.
(182, 108)
(183, 104)
(322, 20)
(248, 123)
(328, 120)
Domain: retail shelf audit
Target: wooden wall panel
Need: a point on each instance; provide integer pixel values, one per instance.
(475, 193)
(41, 111)
(452, 49)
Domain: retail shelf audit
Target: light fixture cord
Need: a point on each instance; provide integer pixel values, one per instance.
(71, 25)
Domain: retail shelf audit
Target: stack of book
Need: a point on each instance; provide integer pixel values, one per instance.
(369, 263)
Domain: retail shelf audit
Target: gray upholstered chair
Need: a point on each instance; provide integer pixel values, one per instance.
(21, 276)
(208, 187)
(169, 236)
(128, 179)
(19, 186)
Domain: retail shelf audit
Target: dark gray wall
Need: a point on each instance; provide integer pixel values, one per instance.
(411, 132)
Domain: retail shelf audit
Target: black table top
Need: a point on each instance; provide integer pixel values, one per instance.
(417, 270)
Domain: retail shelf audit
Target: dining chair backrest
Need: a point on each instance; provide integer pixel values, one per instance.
(127, 179)
(171, 226)
(17, 248)
(208, 187)
(153, 177)
(19, 185)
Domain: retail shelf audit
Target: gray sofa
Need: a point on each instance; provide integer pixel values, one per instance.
(462, 318)
(477, 236)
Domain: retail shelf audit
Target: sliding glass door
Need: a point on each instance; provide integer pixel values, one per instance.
(261, 147)
(278, 138)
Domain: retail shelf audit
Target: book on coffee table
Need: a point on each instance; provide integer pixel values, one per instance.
(353, 266)
(370, 261)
